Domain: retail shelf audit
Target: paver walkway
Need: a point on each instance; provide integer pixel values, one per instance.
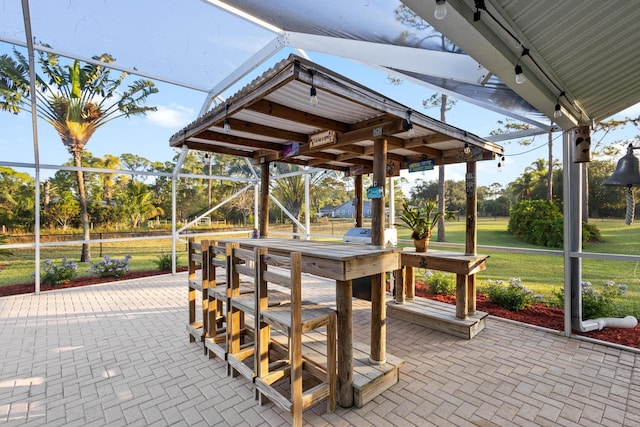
(118, 354)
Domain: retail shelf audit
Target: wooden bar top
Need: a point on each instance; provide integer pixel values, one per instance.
(455, 262)
(338, 261)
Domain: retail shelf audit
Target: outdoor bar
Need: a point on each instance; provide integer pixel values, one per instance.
(348, 128)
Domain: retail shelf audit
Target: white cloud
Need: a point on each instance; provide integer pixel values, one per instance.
(172, 116)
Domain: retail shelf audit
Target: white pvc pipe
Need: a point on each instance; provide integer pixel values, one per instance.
(608, 322)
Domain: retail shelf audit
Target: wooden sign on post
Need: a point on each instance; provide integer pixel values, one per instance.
(322, 138)
(422, 165)
(374, 193)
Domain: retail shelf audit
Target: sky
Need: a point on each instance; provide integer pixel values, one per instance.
(177, 106)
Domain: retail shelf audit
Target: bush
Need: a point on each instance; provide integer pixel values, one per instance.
(540, 222)
(111, 267)
(55, 275)
(440, 283)
(164, 261)
(514, 297)
(597, 303)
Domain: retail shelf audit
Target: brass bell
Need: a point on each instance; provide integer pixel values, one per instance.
(627, 173)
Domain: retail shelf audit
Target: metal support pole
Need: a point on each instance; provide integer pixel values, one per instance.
(256, 196)
(307, 203)
(34, 125)
(572, 203)
(174, 234)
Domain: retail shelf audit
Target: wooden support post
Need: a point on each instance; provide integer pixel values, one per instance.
(462, 306)
(345, 343)
(410, 281)
(472, 209)
(264, 200)
(400, 286)
(378, 303)
(359, 201)
(471, 293)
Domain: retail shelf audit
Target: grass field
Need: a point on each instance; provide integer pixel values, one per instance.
(543, 274)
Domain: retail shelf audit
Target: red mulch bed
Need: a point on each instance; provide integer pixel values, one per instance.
(29, 288)
(541, 315)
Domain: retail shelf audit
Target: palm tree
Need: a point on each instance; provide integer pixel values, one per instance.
(76, 100)
(137, 203)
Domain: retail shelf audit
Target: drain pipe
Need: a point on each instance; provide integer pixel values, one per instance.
(608, 322)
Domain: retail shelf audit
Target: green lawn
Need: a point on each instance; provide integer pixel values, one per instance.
(543, 274)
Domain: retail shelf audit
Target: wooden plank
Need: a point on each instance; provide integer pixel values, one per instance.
(438, 316)
(453, 262)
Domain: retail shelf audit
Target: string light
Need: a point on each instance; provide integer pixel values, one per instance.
(226, 126)
(479, 6)
(313, 100)
(467, 149)
(441, 9)
(557, 112)
(520, 77)
(409, 124)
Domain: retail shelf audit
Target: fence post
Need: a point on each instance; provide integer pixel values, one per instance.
(100, 244)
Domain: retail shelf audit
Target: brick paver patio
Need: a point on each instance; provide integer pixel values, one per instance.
(118, 354)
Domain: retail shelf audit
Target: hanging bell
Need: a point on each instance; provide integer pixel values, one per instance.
(627, 173)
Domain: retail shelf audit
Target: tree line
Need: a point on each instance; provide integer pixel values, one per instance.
(118, 200)
(532, 184)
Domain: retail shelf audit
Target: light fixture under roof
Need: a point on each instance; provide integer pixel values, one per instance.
(441, 9)
(226, 126)
(313, 100)
(520, 77)
(557, 112)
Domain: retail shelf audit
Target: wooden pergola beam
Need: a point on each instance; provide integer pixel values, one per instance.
(277, 110)
(203, 146)
(238, 140)
(268, 131)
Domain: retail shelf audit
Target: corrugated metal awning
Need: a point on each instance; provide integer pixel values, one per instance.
(272, 119)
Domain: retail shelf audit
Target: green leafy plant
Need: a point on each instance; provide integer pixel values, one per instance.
(420, 220)
(164, 261)
(540, 222)
(111, 267)
(513, 297)
(440, 283)
(597, 302)
(55, 275)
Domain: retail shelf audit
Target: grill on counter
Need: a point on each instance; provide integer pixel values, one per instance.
(362, 236)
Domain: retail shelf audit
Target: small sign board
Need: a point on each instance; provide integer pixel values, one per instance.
(422, 165)
(291, 149)
(374, 193)
(356, 170)
(322, 138)
(393, 168)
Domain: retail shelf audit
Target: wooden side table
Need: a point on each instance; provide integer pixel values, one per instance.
(464, 266)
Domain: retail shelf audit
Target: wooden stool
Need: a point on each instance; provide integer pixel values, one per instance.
(197, 254)
(215, 339)
(293, 320)
(240, 335)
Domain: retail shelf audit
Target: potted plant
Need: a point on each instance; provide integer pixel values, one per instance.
(421, 221)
